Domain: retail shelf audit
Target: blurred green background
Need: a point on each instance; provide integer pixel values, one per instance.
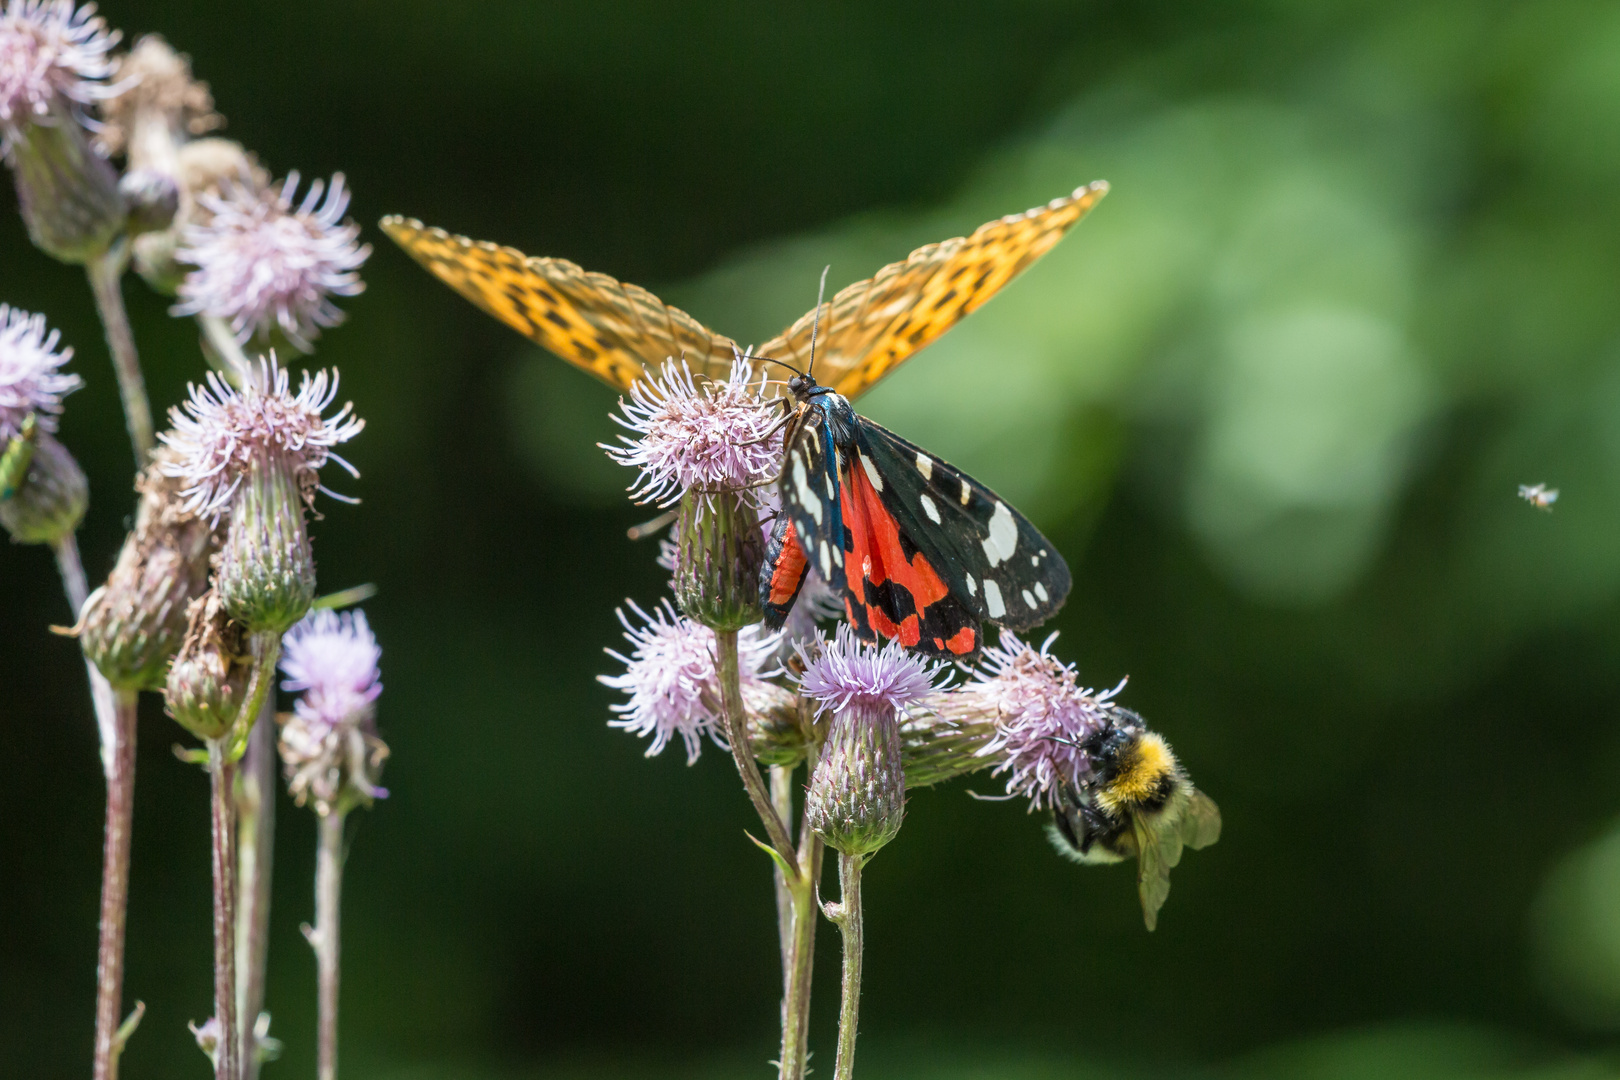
(1356, 281)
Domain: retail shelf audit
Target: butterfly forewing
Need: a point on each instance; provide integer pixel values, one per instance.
(992, 557)
(613, 330)
(873, 326)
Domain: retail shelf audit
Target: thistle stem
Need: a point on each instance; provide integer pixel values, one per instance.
(106, 272)
(256, 810)
(115, 720)
(110, 1036)
(847, 914)
(799, 959)
(737, 734)
(324, 939)
(222, 777)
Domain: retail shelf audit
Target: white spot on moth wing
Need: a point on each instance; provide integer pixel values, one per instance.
(929, 508)
(925, 465)
(967, 495)
(1040, 591)
(1029, 600)
(826, 560)
(992, 599)
(973, 586)
(801, 488)
(1003, 538)
(871, 471)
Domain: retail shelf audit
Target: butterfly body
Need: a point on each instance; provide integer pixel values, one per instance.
(922, 552)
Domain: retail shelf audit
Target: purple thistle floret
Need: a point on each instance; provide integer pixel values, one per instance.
(223, 430)
(263, 263)
(29, 379)
(50, 51)
(850, 674)
(714, 438)
(331, 659)
(1042, 716)
(672, 681)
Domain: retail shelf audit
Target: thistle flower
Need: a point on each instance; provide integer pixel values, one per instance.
(857, 796)
(53, 62)
(50, 52)
(263, 263)
(329, 743)
(133, 624)
(30, 381)
(256, 454)
(223, 432)
(672, 681)
(716, 437)
(1042, 714)
(209, 676)
(154, 105)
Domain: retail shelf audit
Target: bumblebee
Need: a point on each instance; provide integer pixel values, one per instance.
(1135, 802)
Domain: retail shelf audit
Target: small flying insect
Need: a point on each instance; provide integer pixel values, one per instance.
(1136, 802)
(1539, 496)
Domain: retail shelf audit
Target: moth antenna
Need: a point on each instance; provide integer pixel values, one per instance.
(815, 322)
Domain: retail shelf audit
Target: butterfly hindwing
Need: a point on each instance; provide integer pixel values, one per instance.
(996, 563)
(613, 330)
(873, 326)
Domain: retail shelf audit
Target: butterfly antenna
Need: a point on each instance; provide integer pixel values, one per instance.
(815, 323)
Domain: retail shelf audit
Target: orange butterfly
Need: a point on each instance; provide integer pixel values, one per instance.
(618, 331)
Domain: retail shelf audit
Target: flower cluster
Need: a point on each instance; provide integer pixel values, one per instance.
(671, 679)
(264, 263)
(717, 437)
(329, 744)
(1042, 716)
(222, 430)
(30, 382)
(50, 51)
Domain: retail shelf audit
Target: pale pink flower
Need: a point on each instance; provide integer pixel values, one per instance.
(51, 51)
(222, 430)
(262, 262)
(30, 381)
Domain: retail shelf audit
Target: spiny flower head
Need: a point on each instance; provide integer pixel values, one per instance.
(50, 51)
(708, 438)
(671, 678)
(852, 674)
(331, 659)
(223, 430)
(328, 744)
(1042, 714)
(30, 381)
(262, 262)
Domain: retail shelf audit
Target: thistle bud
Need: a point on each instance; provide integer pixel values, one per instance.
(857, 795)
(203, 168)
(51, 501)
(266, 572)
(133, 624)
(209, 676)
(68, 194)
(719, 549)
(776, 729)
(151, 199)
(713, 449)
(253, 456)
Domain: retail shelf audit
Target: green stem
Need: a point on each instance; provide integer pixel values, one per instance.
(110, 1035)
(847, 914)
(737, 734)
(256, 810)
(222, 779)
(223, 352)
(324, 939)
(106, 273)
(799, 961)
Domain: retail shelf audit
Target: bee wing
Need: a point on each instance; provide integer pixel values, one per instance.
(1201, 824)
(1156, 853)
